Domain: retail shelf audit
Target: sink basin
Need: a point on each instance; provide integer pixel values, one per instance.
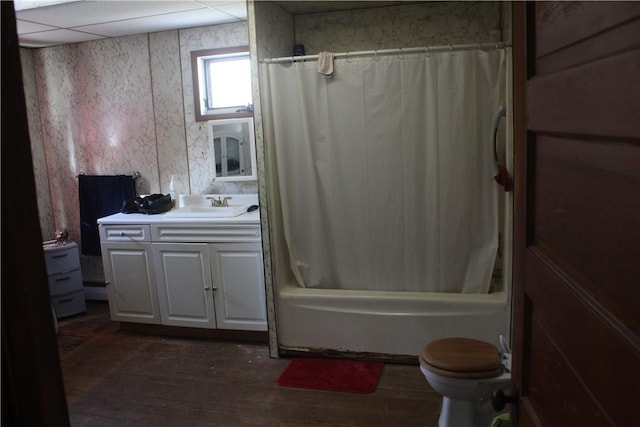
(208, 211)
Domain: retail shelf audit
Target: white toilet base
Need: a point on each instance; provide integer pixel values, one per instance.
(461, 413)
(457, 413)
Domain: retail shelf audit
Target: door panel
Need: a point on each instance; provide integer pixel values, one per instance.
(576, 350)
(572, 175)
(599, 90)
(566, 24)
(577, 220)
(621, 38)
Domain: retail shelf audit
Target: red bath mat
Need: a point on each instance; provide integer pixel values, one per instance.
(350, 376)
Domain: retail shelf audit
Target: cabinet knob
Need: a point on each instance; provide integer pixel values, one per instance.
(206, 288)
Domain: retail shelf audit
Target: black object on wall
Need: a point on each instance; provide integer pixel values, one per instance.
(99, 196)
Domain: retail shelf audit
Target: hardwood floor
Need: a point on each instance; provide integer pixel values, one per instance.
(118, 378)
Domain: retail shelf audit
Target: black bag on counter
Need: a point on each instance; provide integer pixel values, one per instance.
(151, 204)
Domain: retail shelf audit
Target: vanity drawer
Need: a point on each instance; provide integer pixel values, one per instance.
(124, 233)
(206, 233)
(68, 304)
(62, 259)
(65, 282)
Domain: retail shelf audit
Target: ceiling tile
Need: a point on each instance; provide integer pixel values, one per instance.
(25, 27)
(94, 12)
(116, 18)
(30, 4)
(238, 10)
(56, 37)
(193, 18)
(218, 3)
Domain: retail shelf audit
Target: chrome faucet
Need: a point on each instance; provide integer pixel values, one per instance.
(220, 202)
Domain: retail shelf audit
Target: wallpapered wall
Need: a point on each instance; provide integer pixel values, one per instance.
(411, 25)
(122, 105)
(119, 106)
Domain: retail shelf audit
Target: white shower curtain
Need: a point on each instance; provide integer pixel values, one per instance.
(384, 171)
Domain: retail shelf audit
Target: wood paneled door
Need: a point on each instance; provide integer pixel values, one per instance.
(577, 196)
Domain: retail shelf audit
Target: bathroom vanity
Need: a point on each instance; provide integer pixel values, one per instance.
(190, 267)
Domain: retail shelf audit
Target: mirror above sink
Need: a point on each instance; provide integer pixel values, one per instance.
(233, 147)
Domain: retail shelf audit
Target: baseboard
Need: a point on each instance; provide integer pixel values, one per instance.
(258, 337)
(95, 293)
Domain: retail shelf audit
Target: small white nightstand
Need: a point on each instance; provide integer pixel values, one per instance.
(65, 278)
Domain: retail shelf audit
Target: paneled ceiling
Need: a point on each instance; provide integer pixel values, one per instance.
(76, 21)
(43, 23)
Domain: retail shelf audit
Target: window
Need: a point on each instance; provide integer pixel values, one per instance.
(222, 83)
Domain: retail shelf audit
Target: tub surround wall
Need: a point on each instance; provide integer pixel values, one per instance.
(270, 34)
(413, 25)
(118, 106)
(276, 32)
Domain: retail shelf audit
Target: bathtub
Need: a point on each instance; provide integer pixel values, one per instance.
(395, 324)
(385, 323)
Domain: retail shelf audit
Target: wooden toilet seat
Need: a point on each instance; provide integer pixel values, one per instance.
(463, 358)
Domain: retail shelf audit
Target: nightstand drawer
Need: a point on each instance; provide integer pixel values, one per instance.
(68, 304)
(65, 282)
(62, 258)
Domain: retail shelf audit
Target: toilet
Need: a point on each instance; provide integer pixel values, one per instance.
(466, 372)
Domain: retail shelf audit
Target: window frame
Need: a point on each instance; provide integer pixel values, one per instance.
(196, 55)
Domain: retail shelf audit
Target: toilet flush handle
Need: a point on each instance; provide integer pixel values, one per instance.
(499, 400)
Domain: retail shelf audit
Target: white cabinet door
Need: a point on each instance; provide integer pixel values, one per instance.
(185, 293)
(239, 281)
(131, 283)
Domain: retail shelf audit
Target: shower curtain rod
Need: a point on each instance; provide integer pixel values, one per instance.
(398, 51)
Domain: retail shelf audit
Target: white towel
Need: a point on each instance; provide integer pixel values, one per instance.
(325, 63)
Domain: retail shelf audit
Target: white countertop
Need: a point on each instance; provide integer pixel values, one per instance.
(169, 218)
(137, 218)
